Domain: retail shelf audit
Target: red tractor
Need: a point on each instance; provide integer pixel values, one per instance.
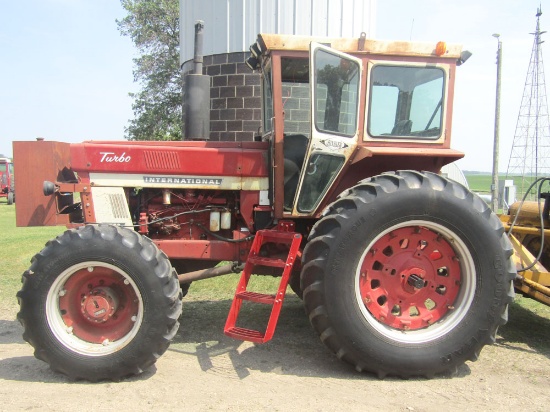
(7, 188)
(401, 270)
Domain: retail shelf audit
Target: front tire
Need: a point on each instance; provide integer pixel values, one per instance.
(407, 274)
(99, 302)
(11, 198)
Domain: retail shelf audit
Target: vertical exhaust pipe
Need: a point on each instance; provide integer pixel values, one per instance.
(196, 100)
(198, 57)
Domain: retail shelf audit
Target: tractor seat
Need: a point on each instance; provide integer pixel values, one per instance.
(402, 128)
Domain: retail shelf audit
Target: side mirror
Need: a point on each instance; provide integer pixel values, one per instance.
(465, 55)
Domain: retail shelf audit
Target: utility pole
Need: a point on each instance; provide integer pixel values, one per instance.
(494, 185)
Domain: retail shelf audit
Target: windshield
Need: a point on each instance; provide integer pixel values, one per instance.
(406, 101)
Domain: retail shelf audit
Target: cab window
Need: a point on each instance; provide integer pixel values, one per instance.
(267, 101)
(406, 101)
(336, 94)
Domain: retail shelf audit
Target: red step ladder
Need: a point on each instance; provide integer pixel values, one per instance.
(254, 259)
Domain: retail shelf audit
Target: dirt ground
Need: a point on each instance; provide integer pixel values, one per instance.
(204, 370)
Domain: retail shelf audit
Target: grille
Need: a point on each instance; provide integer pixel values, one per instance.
(162, 160)
(118, 205)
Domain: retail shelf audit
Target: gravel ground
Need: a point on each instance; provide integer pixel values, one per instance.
(204, 370)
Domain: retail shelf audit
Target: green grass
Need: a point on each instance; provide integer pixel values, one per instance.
(17, 247)
(481, 183)
(223, 287)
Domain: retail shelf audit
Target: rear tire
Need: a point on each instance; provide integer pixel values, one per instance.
(295, 285)
(99, 302)
(407, 274)
(11, 198)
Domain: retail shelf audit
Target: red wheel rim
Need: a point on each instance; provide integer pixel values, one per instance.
(410, 278)
(98, 305)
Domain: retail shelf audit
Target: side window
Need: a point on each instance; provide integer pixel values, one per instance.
(406, 101)
(267, 101)
(295, 87)
(336, 93)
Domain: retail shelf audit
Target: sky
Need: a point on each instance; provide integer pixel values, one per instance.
(65, 70)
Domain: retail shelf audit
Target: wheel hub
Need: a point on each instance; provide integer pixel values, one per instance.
(410, 278)
(97, 304)
(415, 278)
(100, 305)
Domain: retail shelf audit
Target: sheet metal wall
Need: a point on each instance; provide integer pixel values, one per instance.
(232, 25)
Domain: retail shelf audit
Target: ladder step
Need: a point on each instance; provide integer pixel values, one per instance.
(277, 237)
(256, 297)
(265, 261)
(245, 334)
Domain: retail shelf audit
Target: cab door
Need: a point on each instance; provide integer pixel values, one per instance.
(335, 79)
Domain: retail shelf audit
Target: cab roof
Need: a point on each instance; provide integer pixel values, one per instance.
(361, 45)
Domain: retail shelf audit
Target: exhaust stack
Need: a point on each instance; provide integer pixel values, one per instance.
(196, 100)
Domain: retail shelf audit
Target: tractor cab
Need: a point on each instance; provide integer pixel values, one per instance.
(340, 110)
